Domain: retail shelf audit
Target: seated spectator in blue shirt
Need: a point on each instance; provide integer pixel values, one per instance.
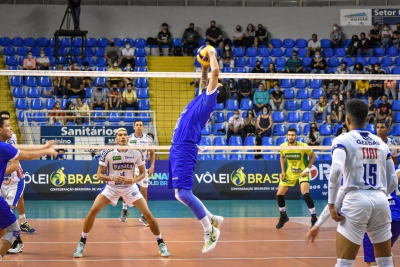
(294, 64)
(260, 98)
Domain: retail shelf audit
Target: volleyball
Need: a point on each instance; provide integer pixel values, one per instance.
(202, 56)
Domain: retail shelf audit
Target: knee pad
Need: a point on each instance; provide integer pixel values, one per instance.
(185, 196)
(12, 233)
(281, 200)
(309, 201)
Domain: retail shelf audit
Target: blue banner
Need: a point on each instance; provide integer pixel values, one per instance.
(386, 15)
(250, 179)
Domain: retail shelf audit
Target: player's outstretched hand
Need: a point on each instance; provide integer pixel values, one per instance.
(282, 176)
(335, 213)
(312, 234)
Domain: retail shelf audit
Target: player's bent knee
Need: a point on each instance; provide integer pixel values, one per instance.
(12, 233)
(185, 196)
(309, 201)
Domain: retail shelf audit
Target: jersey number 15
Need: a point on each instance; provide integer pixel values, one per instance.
(369, 176)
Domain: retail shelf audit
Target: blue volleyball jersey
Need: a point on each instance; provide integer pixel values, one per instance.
(394, 204)
(194, 118)
(7, 153)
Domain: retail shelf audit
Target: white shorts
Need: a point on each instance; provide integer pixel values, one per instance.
(366, 211)
(13, 192)
(145, 181)
(128, 194)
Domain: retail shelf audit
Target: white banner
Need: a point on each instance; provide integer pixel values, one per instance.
(355, 17)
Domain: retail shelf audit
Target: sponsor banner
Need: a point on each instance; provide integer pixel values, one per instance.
(250, 179)
(386, 15)
(355, 17)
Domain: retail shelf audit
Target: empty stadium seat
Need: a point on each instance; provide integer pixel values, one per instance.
(278, 116)
(227, 70)
(46, 92)
(327, 141)
(306, 105)
(267, 141)
(396, 70)
(140, 43)
(219, 141)
(265, 61)
(306, 129)
(205, 156)
(333, 62)
(17, 41)
(232, 104)
(220, 156)
(114, 117)
(396, 130)
(219, 106)
(91, 42)
(264, 52)
(141, 82)
(276, 43)
(9, 51)
(379, 52)
(252, 61)
(386, 62)
(18, 92)
(288, 52)
(296, 127)
(230, 114)
(52, 42)
(219, 117)
(99, 116)
(327, 52)
(302, 94)
(288, 43)
(219, 129)
(36, 104)
(289, 93)
(39, 117)
(141, 69)
(240, 62)
(235, 141)
(236, 156)
(293, 116)
(306, 63)
(373, 60)
(101, 62)
(11, 61)
(280, 62)
(142, 93)
(251, 52)
(340, 52)
(129, 117)
(360, 60)
(392, 52)
(45, 81)
(306, 117)
(325, 43)
(144, 116)
(99, 52)
(302, 52)
(286, 83)
(316, 93)
(144, 104)
(49, 51)
(315, 83)
(279, 130)
(300, 83)
(280, 140)
(238, 52)
(371, 128)
(206, 130)
(325, 129)
(301, 43)
(290, 105)
(336, 128)
(33, 92)
(140, 52)
(246, 104)
(140, 61)
(348, 60)
(276, 52)
(102, 42)
(23, 51)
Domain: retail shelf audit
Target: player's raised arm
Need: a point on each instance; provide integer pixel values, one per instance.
(214, 70)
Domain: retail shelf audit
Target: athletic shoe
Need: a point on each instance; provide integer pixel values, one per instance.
(26, 228)
(79, 250)
(124, 215)
(282, 220)
(16, 249)
(314, 219)
(144, 221)
(211, 240)
(217, 221)
(162, 248)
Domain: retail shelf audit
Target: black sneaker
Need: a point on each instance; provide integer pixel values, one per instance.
(314, 219)
(282, 220)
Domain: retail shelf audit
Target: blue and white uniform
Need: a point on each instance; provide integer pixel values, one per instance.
(7, 153)
(142, 141)
(186, 136)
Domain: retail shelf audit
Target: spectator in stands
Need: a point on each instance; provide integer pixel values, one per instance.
(318, 64)
(331, 86)
(265, 122)
(238, 36)
(249, 124)
(60, 154)
(29, 62)
(260, 98)
(362, 87)
(115, 80)
(294, 64)
(378, 69)
(384, 112)
(60, 83)
(345, 86)
(99, 98)
(257, 69)
(87, 81)
(127, 80)
(390, 87)
(313, 138)
(354, 46)
(313, 45)
(375, 36)
(365, 47)
(335, 36)
(127, 55)
(245, 89)
(233, 85)
(112, 54)
(261, 37)
(387, 36)
(369, 69)
(336, 110)
(164, 37)
(83, 111)
(43, 62)
(76, 13)
(249, 36)
(114, 98)
(342, 130)
(190, 40)
(376, 89)
(129, 99)
(214, 36)
(69, 116)
(371, 110)
(258, 142)
(56, 116)
(358, 68)
(396, 36)
(320, 110)
(270, 83)
(75, 85)
(226, 57)
(277, 101)
(235, 125)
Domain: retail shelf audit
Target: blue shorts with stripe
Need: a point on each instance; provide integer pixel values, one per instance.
(369, 255)
(7, 217)
(182, 163)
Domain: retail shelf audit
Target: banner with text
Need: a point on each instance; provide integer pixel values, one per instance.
(355, 17)
(386, 15)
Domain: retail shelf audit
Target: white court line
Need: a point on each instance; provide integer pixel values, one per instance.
(158, 218)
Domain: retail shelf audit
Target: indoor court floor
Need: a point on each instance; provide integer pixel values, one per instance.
(248, 237)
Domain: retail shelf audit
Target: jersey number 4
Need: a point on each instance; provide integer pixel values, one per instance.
(370, 174)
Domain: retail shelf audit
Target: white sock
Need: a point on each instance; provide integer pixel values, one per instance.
(22, 218)
(283, 209)
(208, 213)
(384, 261)
(312, 211)
(158, 237)
(344, 263)
(205, 222)
(84, 235)
(124, 206)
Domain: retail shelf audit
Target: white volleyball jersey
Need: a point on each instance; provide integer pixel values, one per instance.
(392, 142)
(16, 176)
(142, 141)
(121, 164)
(365, 165)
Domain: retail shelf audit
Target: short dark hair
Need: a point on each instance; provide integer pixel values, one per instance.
(344, 63)
(85, 63)
(377, 64)
(236, 110)
(151, 135)
(60, 150)
(294, 52)
(384, 95)
(358, 112)
(336, 94)
(383, 122)
(129, 84)
(2, 120)
(292, 130)
(212, 21)
(5, 112)
(74, 62)
(191, 23)
(139, 121)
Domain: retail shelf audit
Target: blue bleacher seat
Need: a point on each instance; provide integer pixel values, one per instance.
(371, 128)
(250, 156)
(288, 43)
(62, 51)
(129, 117)
(45, 81)
(235, 141)
(286, 83)
(35, 51)
(30, 81)
(300, 83)
(219, 141)
(336, 128)
(327, 141)
(91, 42)
(379, 52)
(246, 104)
(288, 52)
(140, 61)
(89, 92)
(217, 129)
(316, 93)
(46, 92)
(396, 117)
(21, 116)
(373, 60)
(264, 52)
(349, 61)
(251, 62)
(23, 51)
(206, 130)
(346, 43)
(306, 105)
(17, 41)
(19, 92)
(230, 114)
(5, 41)
(280, 140)
(98, 80)
(140, 43)
(333, 62)
(141, 69)
(220, 156)
(396, 105)
(289, 93)
(36, 104)
(42, 42)
(279, 130)
(114, 117)
(325, 129)
(276, 43)
(52, 41)
(306, 63)
(220, 106)
(33, 92)
(306, 129)
(12, 68)
(301, 43)
(50, 103)
(232, 104)
(144, 116)
(144, 104)
(236, 156)
(99, 116)
(395, 130)
(101, 62)
(39, 117)
(49, 51)
(102, 42)
(118, 42)
(140, 52)
(11, 61)
(267, 141)
(99, 52)
(278, 116)
(227, 70)
(315, 83)
(141, 82)
(142, 93)
(9, 51)
(325, 43)
(293, 116)
(296, 127)
(251, 52)
(238, 52)
(392, 51)
(300, 139)
(302, 52)
(276, 52)
(100, 69)
(386, 62)
(89, 52)
(130, 40)
(396, 70)
(340, 52)
(360, 60)
(327, 52)
(302, 94)
(219, 117)
(291, 105)
(265, 61)
(66, 42)
(306, 117)
(205, 156)
(280, 62)
(240, 62)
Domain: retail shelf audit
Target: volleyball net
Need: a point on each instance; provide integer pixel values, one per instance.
(161, 97)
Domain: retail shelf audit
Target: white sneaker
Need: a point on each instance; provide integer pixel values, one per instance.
(17, 249)
(211, 240)
(217, 221)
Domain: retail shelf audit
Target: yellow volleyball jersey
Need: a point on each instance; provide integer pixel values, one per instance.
(296, 161)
